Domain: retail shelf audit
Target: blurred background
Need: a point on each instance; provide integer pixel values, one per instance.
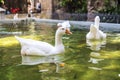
(79, 10)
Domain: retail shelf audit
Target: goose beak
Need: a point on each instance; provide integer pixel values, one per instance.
(62, 64)
(67, 31)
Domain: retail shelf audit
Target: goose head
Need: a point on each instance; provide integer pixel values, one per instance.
(64, 28)
(65, 24)
(97, 18)
(97, 21)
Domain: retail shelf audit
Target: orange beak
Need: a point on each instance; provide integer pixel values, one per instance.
(68, 31)
(62, 64)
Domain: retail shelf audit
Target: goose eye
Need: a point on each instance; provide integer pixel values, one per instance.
(63, 28)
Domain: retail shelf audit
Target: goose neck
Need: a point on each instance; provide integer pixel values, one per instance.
(58, 39)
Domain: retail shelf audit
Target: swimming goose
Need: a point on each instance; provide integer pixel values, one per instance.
(39, 48)
(94, 32)
(15, 16)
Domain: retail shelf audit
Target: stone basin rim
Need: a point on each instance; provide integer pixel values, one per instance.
(108, 27)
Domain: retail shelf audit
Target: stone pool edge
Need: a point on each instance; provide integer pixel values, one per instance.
(108, 27)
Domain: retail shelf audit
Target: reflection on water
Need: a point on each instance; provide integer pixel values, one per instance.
(94, 60)
(35, 60)
(96, 45)
(97, 60)
(32, 28)
(94, 68)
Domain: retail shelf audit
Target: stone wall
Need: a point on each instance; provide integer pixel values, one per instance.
(46, 8)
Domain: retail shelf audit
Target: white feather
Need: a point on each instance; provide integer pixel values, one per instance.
(34, 47)
(95, 32)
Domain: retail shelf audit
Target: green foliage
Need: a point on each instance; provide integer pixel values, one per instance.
(1, 1)
(74, 6)
(80, 6)
(111, 6)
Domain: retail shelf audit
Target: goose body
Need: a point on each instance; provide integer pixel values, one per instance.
(95, 32)
(39, 48)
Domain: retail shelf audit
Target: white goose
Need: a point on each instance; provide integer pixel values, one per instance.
(15, 16)
(39, 48)
(94, 32)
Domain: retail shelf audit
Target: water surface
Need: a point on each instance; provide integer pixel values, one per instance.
(95, 60)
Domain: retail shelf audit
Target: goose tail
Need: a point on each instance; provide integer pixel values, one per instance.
(17, 38)
(21, 41)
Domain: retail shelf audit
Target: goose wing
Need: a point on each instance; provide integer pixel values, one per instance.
(35, 45)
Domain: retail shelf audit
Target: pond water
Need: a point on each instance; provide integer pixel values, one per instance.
(95, 60)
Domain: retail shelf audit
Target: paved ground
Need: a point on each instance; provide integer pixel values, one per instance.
(10, 16)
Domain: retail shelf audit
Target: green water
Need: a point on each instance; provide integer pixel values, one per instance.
(98, 60)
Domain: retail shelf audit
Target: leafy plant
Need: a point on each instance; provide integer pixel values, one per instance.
(74, 6)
